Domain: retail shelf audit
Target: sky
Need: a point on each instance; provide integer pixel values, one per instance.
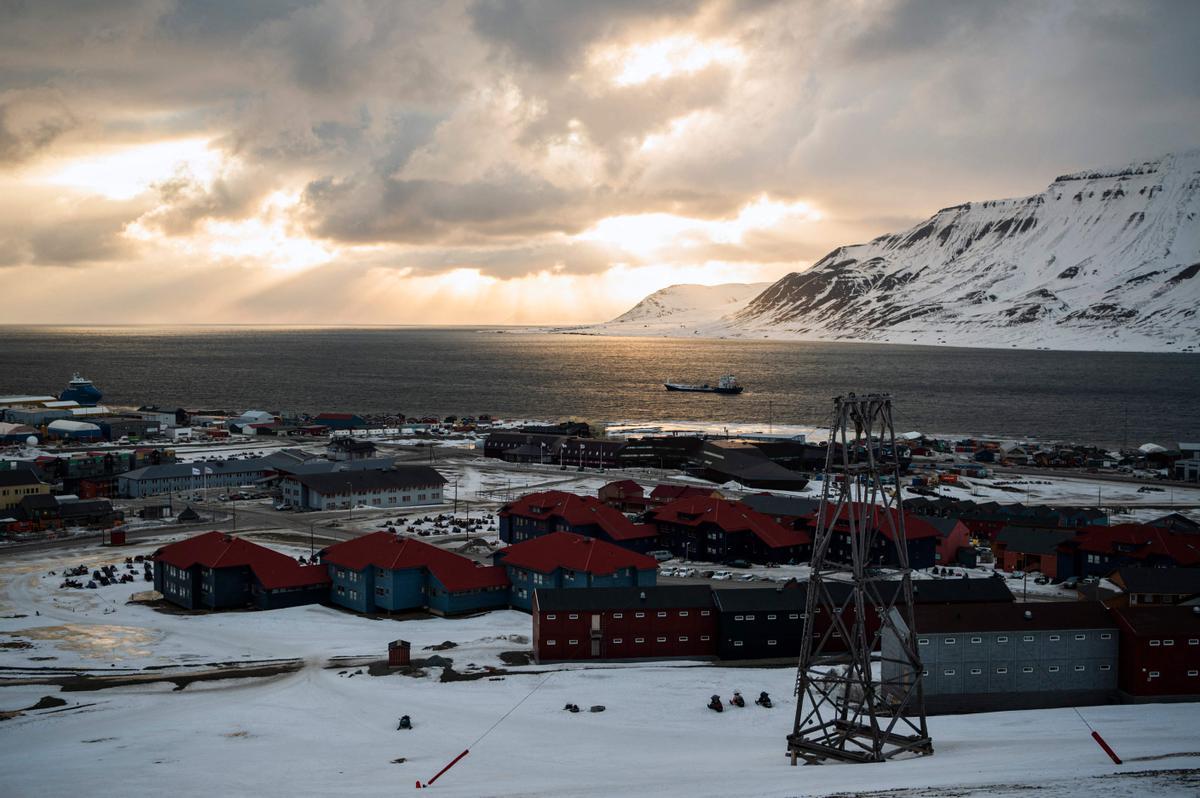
(526, 161)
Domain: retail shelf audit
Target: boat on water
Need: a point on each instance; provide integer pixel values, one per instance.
(81, 390)
(727, 384)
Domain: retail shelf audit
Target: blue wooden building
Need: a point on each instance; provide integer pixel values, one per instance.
(566, 560)
(382, 572)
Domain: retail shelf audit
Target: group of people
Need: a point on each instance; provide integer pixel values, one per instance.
(715, 704)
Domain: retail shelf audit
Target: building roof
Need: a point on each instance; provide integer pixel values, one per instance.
(730, 517)
(220, 550)
(1164, 581)
(624, 598)
(362, 480)
(175, 470)
(1012, 617)
(670, 493)
(625, 487)
(547, 553)
(960, 591)
(1031, 540)
(394, 553)
(1159, 621)
(16, 477)
(578, 511)
(782, 506)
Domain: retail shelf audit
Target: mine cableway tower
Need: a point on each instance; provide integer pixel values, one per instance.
(858, 684)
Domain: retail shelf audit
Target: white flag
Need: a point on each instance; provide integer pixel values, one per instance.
(195, 472)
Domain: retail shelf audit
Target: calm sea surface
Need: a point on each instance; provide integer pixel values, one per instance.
(1084, 396)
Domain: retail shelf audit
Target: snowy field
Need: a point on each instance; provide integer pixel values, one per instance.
(327, 727)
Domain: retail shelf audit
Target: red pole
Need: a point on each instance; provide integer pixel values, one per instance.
(1095, 735)
(453, 762)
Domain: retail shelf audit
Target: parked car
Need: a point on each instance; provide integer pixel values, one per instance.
(737, 564)
(1017, 575)
(689, 572)
(746, 577)
(722, 575)
(661, 555)
(1071, 582)
(666, 572)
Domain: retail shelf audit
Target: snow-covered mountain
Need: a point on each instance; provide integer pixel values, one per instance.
(682, 309)
(1102, 259)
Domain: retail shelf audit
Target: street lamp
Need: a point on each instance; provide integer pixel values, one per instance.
(350, 491)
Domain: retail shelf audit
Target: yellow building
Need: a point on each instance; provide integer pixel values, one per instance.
(16, 484)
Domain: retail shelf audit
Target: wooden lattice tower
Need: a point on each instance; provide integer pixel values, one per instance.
(859, 700)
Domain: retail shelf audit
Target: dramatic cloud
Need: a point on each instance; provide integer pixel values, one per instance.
(526, 161)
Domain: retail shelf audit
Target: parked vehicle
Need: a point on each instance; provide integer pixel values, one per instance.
(688, 572)
(722, 575)
(1071, 583)
(661, 555)
(666, 572)
(1017, 575)
(746, 577)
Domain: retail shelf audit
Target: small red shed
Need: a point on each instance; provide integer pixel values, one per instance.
(398, 653)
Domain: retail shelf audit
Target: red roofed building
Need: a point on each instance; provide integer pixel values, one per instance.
(1099, 550)
(216, 571)
(665, 494)
(922, 538)
(564, 559)
(719, 530)
(540, 514)
(624, 495)
(383, 572)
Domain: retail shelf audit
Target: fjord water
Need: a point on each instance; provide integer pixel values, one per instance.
(1102, 397)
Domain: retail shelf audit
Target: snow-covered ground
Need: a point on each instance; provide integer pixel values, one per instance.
(329, 727)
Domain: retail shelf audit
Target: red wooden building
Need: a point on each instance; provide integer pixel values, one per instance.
(1160, 653)
(624, 495)
(676, 622)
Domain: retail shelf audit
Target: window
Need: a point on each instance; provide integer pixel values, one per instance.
(976, 639)
(1193, 673)
(704, 613)
(737, 643)
(618, 640)
(739, 618)
(1168, 642)
(749, 617)
(639, 615)
(1054, 638)
(354, 595)
(1027, 638)
(1001, 670)
(948, 672)
(552, 642)
(661, 639)
(639, 640)
(950, 641)
(1154, 674)
(551, 617)
(1106, 635)
(1027, 669)
(976, 671)
(683, 638)
(772, 642)
(793, 616)
(1080, 668)
(618, 615)
(1053, 669)
(1193, 641)
(922, 641)
(704, 638)
(1081, 637)
(1002, 639)
(379, 591)
(683, 613)
(1155, 643)
(925, 672)
(770, 617)
(573, 642)
(573, 616)
(1106, 667)
(662, 615)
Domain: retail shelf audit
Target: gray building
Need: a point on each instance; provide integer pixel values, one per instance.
(1003, 656)
(183, 477)
(398, 486)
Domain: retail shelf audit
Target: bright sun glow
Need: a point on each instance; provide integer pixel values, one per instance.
(125, 173)
(648, 234)
(630, 65)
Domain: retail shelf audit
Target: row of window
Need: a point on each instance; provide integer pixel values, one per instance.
(1156, 674)
(950, 641)
(1024, 669)
(574, 616)
(619, 640)
(1156, 643)
(793, 616)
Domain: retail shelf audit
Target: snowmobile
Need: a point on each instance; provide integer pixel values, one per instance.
(763, 700)
(737, 699)
(405, 723)
(571, 707)
(714, 704)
